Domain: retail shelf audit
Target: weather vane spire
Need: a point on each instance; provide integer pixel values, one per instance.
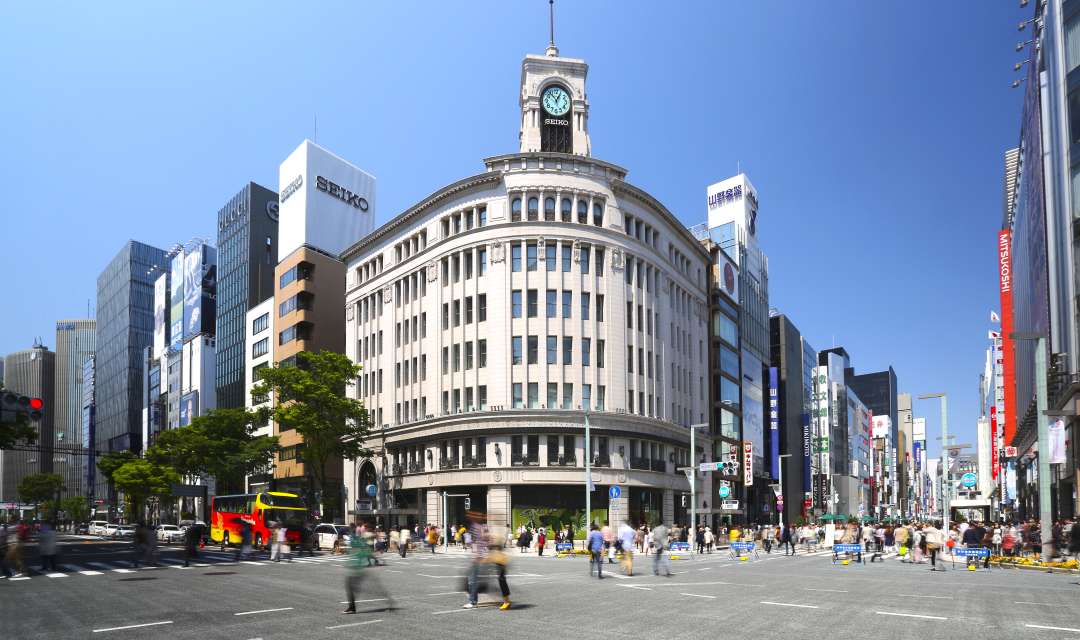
(552, 50)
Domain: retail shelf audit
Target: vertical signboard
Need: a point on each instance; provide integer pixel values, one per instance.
(1008, 421)
(161, 295)
(807, 451)
(200, 291)
(774, 423)
(189, 408)
(753, 415)
(176, 302)
(748, 463)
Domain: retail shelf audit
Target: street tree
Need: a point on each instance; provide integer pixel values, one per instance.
(15, 430)
(140, 479)
(40, 488)
(222, 444)
(76, 508)
(310, 397)
(113, 460)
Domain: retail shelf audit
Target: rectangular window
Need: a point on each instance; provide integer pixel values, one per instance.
(468, 310)
(549, 255)
(446, 315)
(567, 252)
(518, 401)
(567, 303)
(629, 359)
(600, 393)
(457, 357)
(533, 302)
(481, 307)
(260, 324)
(586, 352)
(552, 303)
(552, 396)
(552, 350)
(467, 262)
(515, 257)
(481, 353)
(567, 396)
(630, 401)
(481, 393)
(599, 307)
(568, 350)
(583, 259)
(468, 356)
(629, 315)
(586, 397)
(534, 396)
(534, 348)
(455, 268)
(530, 257)
(586, 301)
(260, 348)
(600, 349)
(599, 262)
(515, 303)
(481, 261)
(423, 325)
(446, 359)
(515, 350)
(457, 313)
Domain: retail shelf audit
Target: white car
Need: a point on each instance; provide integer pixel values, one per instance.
(125, 531)
(111, 530)
(169, 533)
(325, 534)
(97, 527)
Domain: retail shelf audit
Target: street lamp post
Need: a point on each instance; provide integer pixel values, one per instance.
(945, 493)
(1045, 517)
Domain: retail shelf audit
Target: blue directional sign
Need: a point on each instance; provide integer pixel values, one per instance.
(564, 546)
(679, 546)
(372, 490)
(847, 548)
(725, 491)
(614, 492)
(978, 552)
(744, 547)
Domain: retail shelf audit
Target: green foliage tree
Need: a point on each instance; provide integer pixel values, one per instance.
(15, 431)
(221, 444)
(76, 508)
(113, 460)
(140, 479)
(311, 398)
(42, 490)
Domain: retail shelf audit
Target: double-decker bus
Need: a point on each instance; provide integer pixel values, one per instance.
(259, 510)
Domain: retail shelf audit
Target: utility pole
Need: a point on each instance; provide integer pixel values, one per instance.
(691, 475)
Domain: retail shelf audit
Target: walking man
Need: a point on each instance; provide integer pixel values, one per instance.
(280, 535)
(626, 540)
(358, 572)
(192, 536)
(659, 541)
(595, 545)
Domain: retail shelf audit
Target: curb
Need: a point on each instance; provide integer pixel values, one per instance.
(1026, 567)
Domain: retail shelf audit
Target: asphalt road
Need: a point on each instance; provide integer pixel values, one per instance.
(99, 595)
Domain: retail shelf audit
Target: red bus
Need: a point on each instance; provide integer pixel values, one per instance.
(260, 510)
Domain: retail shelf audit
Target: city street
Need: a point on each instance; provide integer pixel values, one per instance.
(99, 595)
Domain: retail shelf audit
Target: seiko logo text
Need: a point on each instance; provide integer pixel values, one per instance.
(557, 121)
(291, 188)
(341, 193)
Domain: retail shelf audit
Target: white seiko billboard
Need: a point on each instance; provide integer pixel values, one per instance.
(323, 201)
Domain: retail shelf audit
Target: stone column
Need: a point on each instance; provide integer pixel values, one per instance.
(433, 515)
(498, 506)
(669, 506)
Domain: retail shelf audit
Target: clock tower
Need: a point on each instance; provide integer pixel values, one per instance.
(554, 106)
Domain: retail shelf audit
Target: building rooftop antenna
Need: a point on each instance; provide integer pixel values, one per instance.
(552, 50)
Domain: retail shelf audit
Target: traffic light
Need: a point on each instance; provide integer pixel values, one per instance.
(36, 409)
(468, 503)
(14, 407)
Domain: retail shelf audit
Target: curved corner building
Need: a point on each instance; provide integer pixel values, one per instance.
(496, 316)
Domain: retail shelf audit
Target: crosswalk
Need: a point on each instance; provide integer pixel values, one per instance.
(204, 560)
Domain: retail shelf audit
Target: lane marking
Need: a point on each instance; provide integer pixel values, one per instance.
(788, 604)
(912, 595)
(697, 595)
(704, 568)
(56, 575)
(1041, 604)
(134, 626)
(909, 615)
(354, 624)
(368, 600)
(122, 570)
(21, 578)
(829, 590)
(634, 586)
(619, 576)
(446, 593)
(439, 613)
(249, 613)
(1039, 626)
(91, 573)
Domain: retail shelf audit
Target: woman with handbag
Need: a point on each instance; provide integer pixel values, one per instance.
(935, 540)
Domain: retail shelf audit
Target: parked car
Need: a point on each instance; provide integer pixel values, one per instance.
(326, 533)
(125, 531)
(112, 530)
(83, 528)
(169, 533)
(97, 527)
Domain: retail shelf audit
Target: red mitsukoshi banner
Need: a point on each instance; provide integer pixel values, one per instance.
(1007, 422)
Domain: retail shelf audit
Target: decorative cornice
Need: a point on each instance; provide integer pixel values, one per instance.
(624, 187)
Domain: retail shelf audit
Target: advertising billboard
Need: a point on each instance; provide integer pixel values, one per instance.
(918, 429)
(200, 291)
(774, 423)
(176, 302)
(189, 408)
(753, 408)
(323, 201)
(1008, 421)
(808, 465)
(161, 295)
(882, 427)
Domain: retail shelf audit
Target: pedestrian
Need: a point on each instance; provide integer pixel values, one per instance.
(935, 541)
(595, 544)
(767, 538)
(432, 537)
(281, 537)
(358, 573)
(627, 537)
(47, 547)
(14, 556)
(996, 538)
(659, 536)
(487, 549)
(523, 539)
(699, 539)
(403, 541)
(275, 547)
(139, 545)
(710, 539)
(244, 550)
(192, 537)
(541, 540)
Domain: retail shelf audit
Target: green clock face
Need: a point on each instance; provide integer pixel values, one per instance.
(556, 101)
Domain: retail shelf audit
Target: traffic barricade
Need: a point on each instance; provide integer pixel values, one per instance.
(744, 551)
(974, 555)
(847, 550)
(676, 548)
(563, 549)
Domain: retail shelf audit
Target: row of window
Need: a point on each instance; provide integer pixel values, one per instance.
(459, 400)
(301, 301)
(641, 230)
(410, 246)
(532, 389)
(565, 213)
(556, 255)
(418, 371)
(464, 263)
(371, 345)
(459, 357)
(372, 267)
(299, 271)
(455, 223)
(532, 352)
(531, 306)
(298, 331)
(260, 324)
(410, 329)
(452, 311)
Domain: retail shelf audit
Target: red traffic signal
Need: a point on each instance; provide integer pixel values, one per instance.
(36, 403)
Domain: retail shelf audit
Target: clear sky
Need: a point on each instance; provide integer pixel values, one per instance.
(873, 131)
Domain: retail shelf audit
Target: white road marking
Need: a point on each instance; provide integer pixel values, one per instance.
(249, 613)
(619, 576)
(912, 595)
(696, 595)
(392, 571)
(1041, 604)
(909, 615)
(634, 586)
(829, 590)
(446, 593)
(122, 571)
(20, 578)
(704, 568)
(354, 624)
(788, 604)
(56, 575)
(251, 562)
(134, 626)
(368, 600)
(1039, 626)
(439, 613)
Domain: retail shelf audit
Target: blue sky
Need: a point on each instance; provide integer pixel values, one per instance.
(873, 131)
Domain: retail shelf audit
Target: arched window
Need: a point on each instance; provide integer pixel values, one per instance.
(567, 209)
(598, 214)
(515, 210)
(549, 209)
(582, 212)
(534, 208)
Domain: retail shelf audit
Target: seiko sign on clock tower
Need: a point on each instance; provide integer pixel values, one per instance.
(554, 107)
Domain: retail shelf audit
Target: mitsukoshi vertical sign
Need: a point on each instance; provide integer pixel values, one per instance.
(1005, 283)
